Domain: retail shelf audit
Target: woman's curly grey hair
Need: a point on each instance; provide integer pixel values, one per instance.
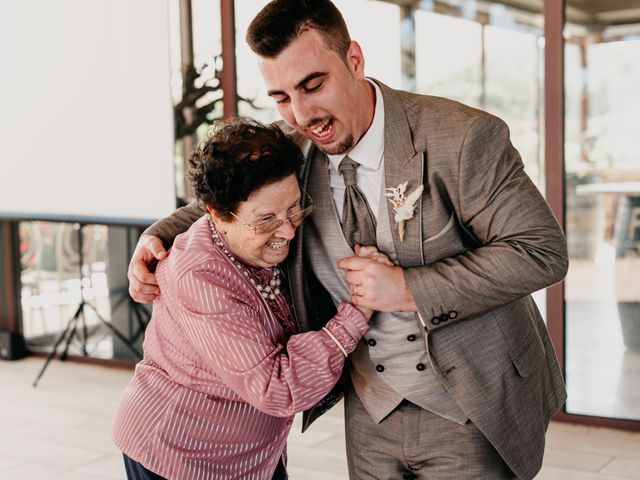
(239, 157)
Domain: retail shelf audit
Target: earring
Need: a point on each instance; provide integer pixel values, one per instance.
(224, 232)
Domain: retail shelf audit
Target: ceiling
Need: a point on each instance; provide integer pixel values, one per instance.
(592, 14)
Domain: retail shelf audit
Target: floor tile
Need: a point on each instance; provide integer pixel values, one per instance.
(623, 467)
(108, 467)
(32, 472)
(579, 461)
(61, 431)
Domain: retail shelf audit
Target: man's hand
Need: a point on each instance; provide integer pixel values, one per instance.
(143, 286)
(376, 283)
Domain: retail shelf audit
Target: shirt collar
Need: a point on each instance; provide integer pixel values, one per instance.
(369, 150)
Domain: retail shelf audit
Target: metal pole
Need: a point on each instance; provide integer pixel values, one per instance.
(408, 47)
(186, 57)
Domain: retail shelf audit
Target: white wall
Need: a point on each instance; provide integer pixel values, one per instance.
(86, 122)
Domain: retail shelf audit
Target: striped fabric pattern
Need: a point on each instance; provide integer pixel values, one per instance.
(220, 382)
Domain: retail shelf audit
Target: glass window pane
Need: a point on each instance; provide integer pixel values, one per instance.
(602, 163)
(53, 284)
(489, 56)
(513, 91)
(448, 57)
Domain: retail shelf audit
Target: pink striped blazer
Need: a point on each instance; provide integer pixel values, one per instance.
(220, 382)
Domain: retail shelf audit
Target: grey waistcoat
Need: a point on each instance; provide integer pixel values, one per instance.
(391, 362)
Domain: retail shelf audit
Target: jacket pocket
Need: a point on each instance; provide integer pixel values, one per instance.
(442, 232)
(530, 358)
(447, 242)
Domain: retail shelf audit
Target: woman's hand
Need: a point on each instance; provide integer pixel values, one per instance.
(373, 252)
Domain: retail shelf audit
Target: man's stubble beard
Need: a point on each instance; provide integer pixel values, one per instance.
(345, 146)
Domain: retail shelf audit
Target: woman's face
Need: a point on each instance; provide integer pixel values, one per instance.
(272, 202)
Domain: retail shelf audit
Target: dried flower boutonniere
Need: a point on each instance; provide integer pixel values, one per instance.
(404, 206)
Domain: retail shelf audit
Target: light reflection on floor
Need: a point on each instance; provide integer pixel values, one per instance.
(602, 375)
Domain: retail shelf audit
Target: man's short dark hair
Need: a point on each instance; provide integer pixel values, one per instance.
(282, 21)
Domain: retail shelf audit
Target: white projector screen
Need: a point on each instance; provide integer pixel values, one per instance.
(86, 118)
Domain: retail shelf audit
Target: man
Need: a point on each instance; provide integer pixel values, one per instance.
(457, 377)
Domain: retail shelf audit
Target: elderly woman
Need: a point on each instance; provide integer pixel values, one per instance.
(224, 369)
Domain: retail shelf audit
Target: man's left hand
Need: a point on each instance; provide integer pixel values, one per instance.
(377, 285)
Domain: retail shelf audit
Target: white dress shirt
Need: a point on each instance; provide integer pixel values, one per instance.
(369, 153)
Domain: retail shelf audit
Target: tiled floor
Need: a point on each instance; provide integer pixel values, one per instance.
(60, 431)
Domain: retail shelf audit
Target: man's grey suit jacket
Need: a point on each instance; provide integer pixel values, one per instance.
(481, 241)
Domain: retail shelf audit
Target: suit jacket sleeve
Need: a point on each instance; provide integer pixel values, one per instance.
(520, 246)
(179, 221)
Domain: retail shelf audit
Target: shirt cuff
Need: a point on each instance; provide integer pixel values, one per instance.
(348, 326)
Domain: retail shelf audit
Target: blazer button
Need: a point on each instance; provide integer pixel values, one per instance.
(380, 368)
(453, 314)
(420, 367)
(444, 317)
(435, 321)
(411, 338)
(372, 342)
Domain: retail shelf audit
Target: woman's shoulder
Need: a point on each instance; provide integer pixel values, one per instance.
(192, 250)
(198, 236)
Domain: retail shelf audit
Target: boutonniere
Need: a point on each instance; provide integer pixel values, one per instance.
(404, 205)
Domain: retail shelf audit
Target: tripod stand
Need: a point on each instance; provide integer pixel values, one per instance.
(79, 319)
(136, 310)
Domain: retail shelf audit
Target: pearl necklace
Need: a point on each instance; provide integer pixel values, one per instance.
(269, 291)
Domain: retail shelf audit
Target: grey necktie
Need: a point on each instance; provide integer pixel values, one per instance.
(358, 222)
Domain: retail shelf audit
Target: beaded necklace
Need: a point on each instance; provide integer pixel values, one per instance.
(269, 291)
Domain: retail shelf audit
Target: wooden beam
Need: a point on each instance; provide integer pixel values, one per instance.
(9, 277)
(554, 153)
(228, 74)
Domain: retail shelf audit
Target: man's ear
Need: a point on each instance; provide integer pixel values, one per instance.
(355, 59)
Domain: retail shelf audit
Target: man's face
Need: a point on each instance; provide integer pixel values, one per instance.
(318, 94)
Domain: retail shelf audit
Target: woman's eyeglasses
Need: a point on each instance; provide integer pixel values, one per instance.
(294, 219)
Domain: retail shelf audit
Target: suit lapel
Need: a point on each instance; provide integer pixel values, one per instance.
(402, 164)
(295, 262)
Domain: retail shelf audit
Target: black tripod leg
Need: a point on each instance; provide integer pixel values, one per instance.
(115, 331)
(71, 325)
(85, 334)
(142, 318)
(72, 334)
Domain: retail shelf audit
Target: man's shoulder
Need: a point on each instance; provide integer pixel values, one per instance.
(441, 109)
(431, 108)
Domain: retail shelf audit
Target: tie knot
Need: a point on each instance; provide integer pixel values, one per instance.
(347, 169)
